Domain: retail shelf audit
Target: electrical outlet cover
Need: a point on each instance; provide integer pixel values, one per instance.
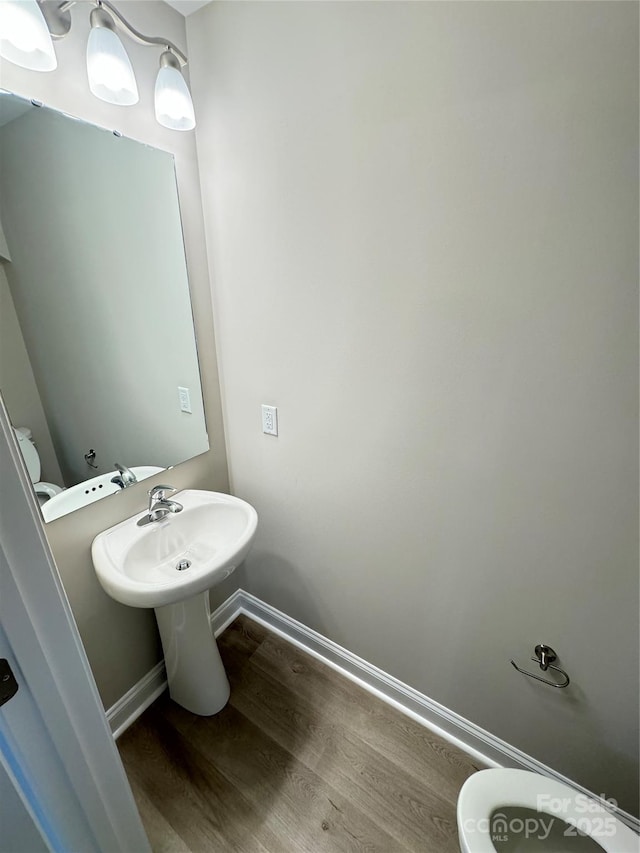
(269, 420)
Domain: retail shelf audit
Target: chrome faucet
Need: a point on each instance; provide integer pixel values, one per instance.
(126, 476)
(159, 505)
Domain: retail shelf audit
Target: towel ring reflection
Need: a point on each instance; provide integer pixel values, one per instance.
(90, 458)
(545, 656)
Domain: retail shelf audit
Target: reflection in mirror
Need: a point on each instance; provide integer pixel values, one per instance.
(98, 361)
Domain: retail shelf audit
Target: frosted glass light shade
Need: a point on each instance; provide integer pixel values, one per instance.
(24, 36)
(109, 69)
(174, 107)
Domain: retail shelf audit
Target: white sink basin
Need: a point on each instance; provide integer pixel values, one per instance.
(170, 565)
(90, 491)
(138, 566)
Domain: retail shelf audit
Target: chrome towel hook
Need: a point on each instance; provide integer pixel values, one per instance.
(545, 656)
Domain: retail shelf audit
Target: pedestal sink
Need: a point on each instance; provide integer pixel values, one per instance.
(170, 565)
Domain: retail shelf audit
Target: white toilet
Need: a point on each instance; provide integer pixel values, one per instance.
(512, 810)
(43, 490)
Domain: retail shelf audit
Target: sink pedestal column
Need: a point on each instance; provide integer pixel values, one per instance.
(195, 673)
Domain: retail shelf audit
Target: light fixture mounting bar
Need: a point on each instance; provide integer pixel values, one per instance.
(126, 27)
(57, 17)
(58, 20)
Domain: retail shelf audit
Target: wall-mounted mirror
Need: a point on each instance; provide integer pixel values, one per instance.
(98, 359)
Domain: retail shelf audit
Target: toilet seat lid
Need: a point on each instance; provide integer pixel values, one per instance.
(487, 791)
(49, 489)
(30, 456)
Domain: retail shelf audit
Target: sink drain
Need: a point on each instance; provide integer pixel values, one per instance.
(182, 565)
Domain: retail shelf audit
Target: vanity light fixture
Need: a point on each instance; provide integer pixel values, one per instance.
(109, 69)
(174, 108)
(27, 27)
(24, 36)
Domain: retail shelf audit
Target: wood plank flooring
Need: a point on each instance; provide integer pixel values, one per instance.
(300, 761)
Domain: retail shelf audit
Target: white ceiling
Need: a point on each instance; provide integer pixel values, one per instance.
(186, 7)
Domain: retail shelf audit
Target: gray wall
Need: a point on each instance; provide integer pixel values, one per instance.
(100, 286)
(422, 223)
(121, 642)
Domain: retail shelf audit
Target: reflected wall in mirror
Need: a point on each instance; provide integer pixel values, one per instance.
(96, 330)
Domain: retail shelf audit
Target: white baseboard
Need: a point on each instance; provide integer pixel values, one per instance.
(136, 700)
(464, 734)
(230, 610)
